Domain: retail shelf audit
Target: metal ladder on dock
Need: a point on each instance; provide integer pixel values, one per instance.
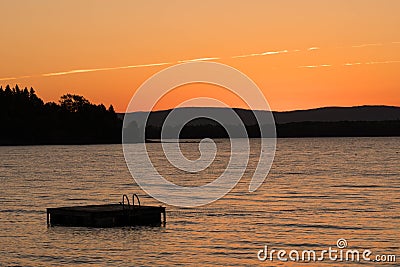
(131, 211)
(124, 196)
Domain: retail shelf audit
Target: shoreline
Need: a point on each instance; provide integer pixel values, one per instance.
(191, 141)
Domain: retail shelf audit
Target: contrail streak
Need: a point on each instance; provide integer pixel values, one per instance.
(85, 71)
(372, 63)
(315, 66)
(199, 59)
(351, 64)
(262, 54)
(104, 69)
(366, 45)
(8, 78)
(383, 62)
(17, 78)
(267, 53)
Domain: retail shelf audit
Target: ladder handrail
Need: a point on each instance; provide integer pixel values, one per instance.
(133, 199)
(123, 201)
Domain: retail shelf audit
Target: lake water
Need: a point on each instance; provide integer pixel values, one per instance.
(318, 191)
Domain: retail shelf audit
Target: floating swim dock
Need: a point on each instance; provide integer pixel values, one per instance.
(108, 215)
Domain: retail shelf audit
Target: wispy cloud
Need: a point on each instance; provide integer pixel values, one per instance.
(366, 45)
(274, 52)
(199, 59)
(352, 64)
(17, 78)
(8, 78)
(309, 66)
(267, 53)
(315, 66)
(262, 54)
(86, 71)
(242, 56)
(104, 69)
(383, 62)
(372, 63)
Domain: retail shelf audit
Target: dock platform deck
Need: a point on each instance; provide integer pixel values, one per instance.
(108, 215)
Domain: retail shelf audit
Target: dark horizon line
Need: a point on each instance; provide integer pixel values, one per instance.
(287, 111)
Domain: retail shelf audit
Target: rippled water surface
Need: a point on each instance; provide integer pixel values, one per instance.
(318, 190)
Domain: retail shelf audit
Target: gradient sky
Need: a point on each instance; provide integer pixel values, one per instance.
(302, 54)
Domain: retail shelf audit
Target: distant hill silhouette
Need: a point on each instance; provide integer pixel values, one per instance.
(325, 114)
(331, 114)
(320, 122)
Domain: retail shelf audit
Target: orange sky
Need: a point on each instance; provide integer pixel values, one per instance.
(46, 37)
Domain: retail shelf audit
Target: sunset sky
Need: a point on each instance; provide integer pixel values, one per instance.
(302, 54)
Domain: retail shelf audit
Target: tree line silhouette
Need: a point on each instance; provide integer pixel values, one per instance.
(26, 119)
